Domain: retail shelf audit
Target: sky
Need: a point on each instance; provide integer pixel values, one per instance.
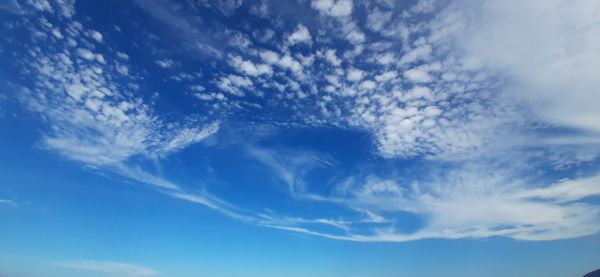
(331, 138)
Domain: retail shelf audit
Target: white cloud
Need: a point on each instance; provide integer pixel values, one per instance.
(240, 41)
(214, 204)
(331, 57)
(368, 84)
(85, 53)
(106, 125)
(421, 52)
(11, 6)
(355, 75)
(290, 63)
(289, 165)
(249, 68)
(355, 36)
(423, 6)
(226, 7)
(548, 48)
(386, 58)
(333, 79)
(187, 136)
(113, 268)
(210, 96)
(336, 8)
(377, 19)
(42, 5)
(300, 35)
(234, 84)
(8, 202)
(565, 191)
(165, 63)
(94, 120)
(123, 69)
(418, 75)
(122, 55)
(96, 35)
(260, 9)
(432, 111)
(504, 208)
(386, 76)
(67, 7)
(269, 57)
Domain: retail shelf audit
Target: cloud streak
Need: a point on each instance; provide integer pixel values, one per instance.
(8, 202)
(111, 268)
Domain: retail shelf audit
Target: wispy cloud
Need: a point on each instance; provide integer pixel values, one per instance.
(290, 165)
(8, 202)
(186, 27)
(468, 205)
(110, 268)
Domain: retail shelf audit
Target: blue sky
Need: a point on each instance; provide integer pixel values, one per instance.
(299, 138)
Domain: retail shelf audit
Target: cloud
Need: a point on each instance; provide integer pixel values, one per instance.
(566, 190)
(187, 29)
(260, 9)
(42, 5)
(430, 89)
(423, 6)
(269, 56)
(386, 59)
(234, 84)
(416, 54)
(226, 7)
(445, 205)
(377, 19)
(96, 35)
(165, 63)
(336, 8)
(300, 35)
(355, 36)
(330, 56)
(8, 202)
(210, 96)
(92, 118)
(386, 76)
(355, 75)
(249, 68)
(547, 48)
(112, 268)
(10, 6)
(417, 75)
(86, 54)
(213, 203)
(288, 164)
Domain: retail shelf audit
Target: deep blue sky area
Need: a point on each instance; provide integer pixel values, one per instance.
(330, 138)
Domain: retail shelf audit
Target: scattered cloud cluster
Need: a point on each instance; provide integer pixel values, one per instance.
(94, 110)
